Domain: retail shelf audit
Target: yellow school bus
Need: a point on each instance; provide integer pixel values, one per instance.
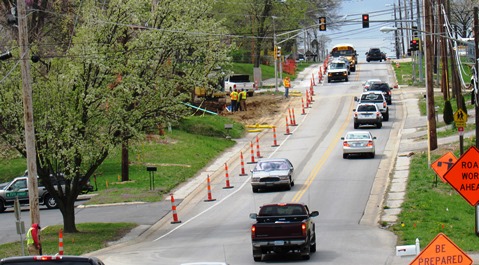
(346, 50)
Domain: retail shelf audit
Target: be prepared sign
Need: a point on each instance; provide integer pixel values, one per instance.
(442, 251)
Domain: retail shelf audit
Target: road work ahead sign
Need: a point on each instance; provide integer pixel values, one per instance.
(441, 251)
(463, 176)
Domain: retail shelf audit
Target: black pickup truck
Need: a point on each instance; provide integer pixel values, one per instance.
(282, 228)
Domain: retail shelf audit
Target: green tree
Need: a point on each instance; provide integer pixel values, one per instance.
(254, 22)
(127, 67)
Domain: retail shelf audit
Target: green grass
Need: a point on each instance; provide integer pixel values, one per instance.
(92, 236)
(433, 207)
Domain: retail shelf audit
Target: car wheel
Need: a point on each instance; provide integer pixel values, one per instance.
(312, 247)
(390, 102)
(367, 61)
(381, 60)
(2, 206)
(255, 189)
(372, 155)
(329, 81)
(356, 125)
(292, 182)
(257, 259)
(386, 116)
(50, 202)
(288, 186)
(345, 156)
(379, 125)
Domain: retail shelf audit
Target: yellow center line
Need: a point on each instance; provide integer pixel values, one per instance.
(326, 154)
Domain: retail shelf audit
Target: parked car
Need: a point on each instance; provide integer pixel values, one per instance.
(358, 143)
(384, 88)
(51, 260)
(369, 82)
(272, 172)
(374, 54)
(367, 114)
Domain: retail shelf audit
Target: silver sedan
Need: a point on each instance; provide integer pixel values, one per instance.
(359, 142)
(272, 172)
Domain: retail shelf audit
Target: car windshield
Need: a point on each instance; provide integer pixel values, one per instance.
(357, 136)
(367, 108)
(271, 165)
(338, 65)
(277, 210)
(373, 97)
(382, 87)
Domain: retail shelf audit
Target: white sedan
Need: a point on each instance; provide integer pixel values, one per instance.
(359, 143)
(369, 82)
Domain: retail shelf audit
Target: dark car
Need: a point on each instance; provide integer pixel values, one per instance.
(374, 54)
(51, 260)
(383, 87)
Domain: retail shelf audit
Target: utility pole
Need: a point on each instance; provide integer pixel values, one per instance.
(429, 50)
(419, 33)
(476, 64)
(28, 112)
(396, 43)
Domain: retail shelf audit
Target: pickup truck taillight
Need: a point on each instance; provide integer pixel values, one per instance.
(304, 229)
(47, 257)
(253, 231)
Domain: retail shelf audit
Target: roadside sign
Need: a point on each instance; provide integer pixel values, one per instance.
(442, 250)
(443, 164)
(463, 176)
(460, 130)
(460, 118)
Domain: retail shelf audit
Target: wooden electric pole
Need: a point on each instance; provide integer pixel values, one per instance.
(476, 64)
(429, 51)
(28, 112)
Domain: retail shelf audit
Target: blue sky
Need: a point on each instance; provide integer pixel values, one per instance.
(351, 30)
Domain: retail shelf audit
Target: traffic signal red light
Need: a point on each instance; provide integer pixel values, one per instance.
(365, 20)
(322, 24)
(414, 45)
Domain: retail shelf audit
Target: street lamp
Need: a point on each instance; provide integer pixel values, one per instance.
(275, 57)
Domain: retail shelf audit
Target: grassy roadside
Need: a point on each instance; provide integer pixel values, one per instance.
(431, 206)
(93, 236)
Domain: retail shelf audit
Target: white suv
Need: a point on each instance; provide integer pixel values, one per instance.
(367, 114)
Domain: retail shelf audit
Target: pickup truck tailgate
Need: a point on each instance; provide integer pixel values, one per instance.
(280, 231)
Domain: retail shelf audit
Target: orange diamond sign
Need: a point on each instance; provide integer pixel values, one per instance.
(440, 251)
(463, 176)
(443, 164)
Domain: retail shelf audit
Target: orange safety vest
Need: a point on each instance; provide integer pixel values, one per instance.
(286, 83)
(234, 95)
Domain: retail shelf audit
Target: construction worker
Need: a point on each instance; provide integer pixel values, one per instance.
(234, 100)
(242, 100)
(287, 86)
(33, 240)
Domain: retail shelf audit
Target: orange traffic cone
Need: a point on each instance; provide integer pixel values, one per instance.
(173, 210)
(208, 186)
(228, 186)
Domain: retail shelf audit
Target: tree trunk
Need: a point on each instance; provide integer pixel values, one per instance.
(68, 213)
(124, 161)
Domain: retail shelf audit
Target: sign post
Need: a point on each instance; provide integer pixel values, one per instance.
(460, 119)
(19, 224)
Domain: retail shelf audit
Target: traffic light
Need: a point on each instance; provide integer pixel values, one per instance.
(278, 52)
(414, 45)
(365, 20)
(322, 24)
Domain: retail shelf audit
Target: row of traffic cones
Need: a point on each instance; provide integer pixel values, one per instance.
(290, 122)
